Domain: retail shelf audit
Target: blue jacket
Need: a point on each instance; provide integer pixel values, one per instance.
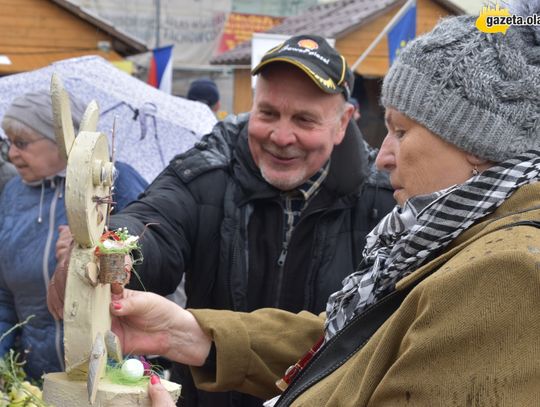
(27, 260)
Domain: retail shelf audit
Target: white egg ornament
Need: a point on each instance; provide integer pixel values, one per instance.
(133, 369)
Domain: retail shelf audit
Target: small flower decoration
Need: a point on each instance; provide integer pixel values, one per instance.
(117, 242)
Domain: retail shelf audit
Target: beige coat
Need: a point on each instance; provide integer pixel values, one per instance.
(468, 335)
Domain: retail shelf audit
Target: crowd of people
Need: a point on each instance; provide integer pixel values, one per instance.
(318, 270)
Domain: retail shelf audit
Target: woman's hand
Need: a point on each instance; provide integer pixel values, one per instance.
(158, 394)
(147, 323)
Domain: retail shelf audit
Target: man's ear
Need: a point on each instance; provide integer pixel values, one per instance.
(343, 123)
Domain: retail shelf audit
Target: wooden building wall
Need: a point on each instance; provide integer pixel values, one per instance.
(242, 95)
(351, 46)
(34, 33)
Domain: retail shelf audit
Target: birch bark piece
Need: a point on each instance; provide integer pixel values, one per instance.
(114, 350)
(96, 367)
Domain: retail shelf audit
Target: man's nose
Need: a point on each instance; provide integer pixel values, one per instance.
(283, 134)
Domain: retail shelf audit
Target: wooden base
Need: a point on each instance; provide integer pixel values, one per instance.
(59, 391)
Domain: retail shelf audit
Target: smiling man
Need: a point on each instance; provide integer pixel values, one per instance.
(272, 208)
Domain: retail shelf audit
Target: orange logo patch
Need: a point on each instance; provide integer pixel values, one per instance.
(310, 44)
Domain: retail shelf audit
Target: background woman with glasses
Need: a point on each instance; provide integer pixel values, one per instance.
(31, 213)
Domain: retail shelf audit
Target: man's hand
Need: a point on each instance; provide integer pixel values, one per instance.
(147, 323)
(64, 244)
(57, 284)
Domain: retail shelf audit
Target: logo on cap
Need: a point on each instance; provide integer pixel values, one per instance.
(307, 43)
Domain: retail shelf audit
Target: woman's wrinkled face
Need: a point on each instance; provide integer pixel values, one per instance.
(35, 157)
(419, 162)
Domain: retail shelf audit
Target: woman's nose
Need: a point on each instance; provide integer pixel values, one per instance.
(13, 152)
(386, 159)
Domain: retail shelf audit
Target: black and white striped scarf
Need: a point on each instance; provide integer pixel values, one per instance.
(409, 237)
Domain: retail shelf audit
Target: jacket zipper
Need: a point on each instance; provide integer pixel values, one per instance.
(48, 244)
(281, 271)
(283, 256)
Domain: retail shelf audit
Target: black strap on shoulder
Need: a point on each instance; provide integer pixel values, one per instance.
(343, 345)
(354, 336)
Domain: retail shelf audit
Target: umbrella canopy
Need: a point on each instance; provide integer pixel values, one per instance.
(151, 127)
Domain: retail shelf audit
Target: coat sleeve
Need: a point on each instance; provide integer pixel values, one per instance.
(253, 350)
(170, 210)
(184, 208)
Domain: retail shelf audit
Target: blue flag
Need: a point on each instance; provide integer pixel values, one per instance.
(402, 33)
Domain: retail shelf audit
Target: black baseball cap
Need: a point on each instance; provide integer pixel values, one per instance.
(317, 58)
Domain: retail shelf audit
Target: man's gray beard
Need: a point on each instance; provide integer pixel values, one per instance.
(284, 184)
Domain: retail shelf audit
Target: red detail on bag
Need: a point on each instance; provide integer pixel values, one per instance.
(293, 370)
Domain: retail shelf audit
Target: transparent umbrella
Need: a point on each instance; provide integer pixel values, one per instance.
(151, 127)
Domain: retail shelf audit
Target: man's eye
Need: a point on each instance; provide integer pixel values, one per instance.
(399, 133)
(305, 120)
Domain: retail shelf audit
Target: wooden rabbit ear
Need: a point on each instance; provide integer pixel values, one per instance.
(90, 117)
(63, 123)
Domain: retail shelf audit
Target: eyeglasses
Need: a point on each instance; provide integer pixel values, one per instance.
(5, 145)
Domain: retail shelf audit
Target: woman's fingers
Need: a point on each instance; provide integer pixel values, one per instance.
(158, 394)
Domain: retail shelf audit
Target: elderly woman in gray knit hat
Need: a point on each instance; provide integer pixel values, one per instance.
(31, 212)
(444, 308)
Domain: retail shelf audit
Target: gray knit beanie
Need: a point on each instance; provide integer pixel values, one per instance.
(34, 109)
(478, 91)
